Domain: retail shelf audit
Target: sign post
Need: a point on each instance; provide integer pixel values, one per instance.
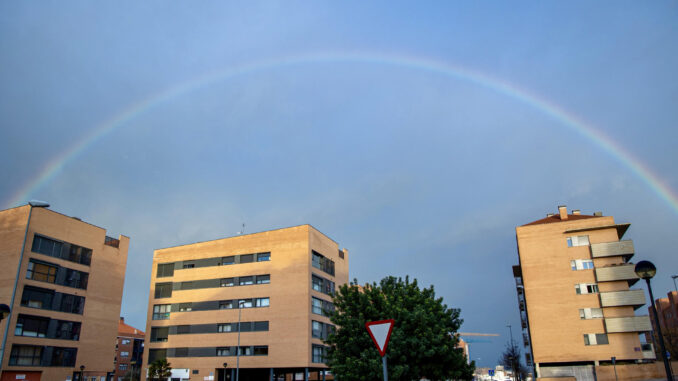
(380, 332)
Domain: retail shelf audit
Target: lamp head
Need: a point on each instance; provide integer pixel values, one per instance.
(645, 270)
(225, 364)
(4, 311)
(82, 367)
(38, 204)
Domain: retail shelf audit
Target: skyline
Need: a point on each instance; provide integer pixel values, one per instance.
(416, 137)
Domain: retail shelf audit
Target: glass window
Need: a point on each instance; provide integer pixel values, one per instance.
(245, 303)
(247, 258)
(261, 350)
(25, 355)
(163, 290)
(122, 367)
(63, 356)
(261, 326)
(262, 302)
(263, 279)
(31, 326)
(246, 280)
(37, 297)
(581, 264)
(67, 330)
(124, 354)
(125, 341)
(601, 338)
(159, 334)
(41, 271)
(317, 329)
(263, 257)
(165, 270)
(225, 304)
(245, 351)
(188, 265)
(156, 354)
(318, 355)
(323, 263)
(224, 351)
(227, 282)
(582, 240)
(226, 327)
(185, 307)
(228, 260)
(161, 311)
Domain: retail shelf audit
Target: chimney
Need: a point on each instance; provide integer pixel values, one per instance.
(562, 210)
(549, 214)
(576, 212)
(598, 214)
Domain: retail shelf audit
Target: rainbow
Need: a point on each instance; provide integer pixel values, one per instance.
(567, 119)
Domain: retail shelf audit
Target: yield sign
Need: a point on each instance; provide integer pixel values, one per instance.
(380, 332)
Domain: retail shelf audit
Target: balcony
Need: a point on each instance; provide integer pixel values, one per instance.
(618, 272)
(613, 249)
(628, 324)
(635, 298)
(110, 241)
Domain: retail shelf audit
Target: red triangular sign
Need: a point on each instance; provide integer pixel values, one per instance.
(380, 332)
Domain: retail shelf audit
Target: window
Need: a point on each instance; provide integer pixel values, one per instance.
(122, 366)
(159, 334)
(185, 307)
(63, 356)
(323, 263)
(161, 311)
(41, 271)
(263, 257)
(262, 302)
(163, 290)
(321, 307)
(165, 270)
(227, 282)
(76, 279)
(581, 264)
(188, 265)
(595, 339)
(37, 297)
(226, 327)
(224, 351)
(25, 355)
(260, 350)
(246, 280)
(318, 354)
(185, 286)
(321, 330)
(260, 326)
(183, 329)
(341, 254)
(67, 330)
(590, 313)
(245, 351)
(125, 341)
(225, 304)
(181, 352)
(247, 258)
(263, 279)
(582, 240)
(124, 354)
(322, 285)
(31, 326)
(245, 303)
(57, 249)
(228, 260)
(44, 245)
(72, 304)
(586, 288)
(156, 354)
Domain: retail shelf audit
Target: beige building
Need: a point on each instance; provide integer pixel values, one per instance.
(63, 280)
(576, 305)
(278, 283)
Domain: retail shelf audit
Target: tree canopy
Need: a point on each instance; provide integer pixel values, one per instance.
(159, 370)
(423, 342)
(510, 359)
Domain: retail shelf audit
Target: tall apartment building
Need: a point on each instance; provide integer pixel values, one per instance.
(63, 280)
(129, 350)
(667, 311)
(278, 283)
(576, 305)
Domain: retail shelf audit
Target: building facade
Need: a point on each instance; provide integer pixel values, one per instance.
(63, 280)
(667, 311)
(129, 350)
(278, 284)
(576, 305)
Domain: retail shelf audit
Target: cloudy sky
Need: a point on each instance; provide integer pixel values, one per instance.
(418, 137)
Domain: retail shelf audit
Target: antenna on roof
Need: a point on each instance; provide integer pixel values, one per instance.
(242, 230)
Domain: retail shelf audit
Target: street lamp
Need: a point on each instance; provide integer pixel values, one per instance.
(646, 270)
(82, 372)
(4, 311)
(225, 367)
(33, 204)
(237, 349)
(674, 281)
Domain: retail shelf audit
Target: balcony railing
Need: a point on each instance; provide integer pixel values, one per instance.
(634, 298)
(615, 273)
(628, 324)
(612, 249)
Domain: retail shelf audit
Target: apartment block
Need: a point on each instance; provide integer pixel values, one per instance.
(256, 305)
(667, 312)
(129, 350)
(576, 303)
(63, 280)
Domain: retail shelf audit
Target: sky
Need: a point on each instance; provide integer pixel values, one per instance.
(417, 136)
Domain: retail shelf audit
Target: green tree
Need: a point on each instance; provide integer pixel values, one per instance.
(159, 370)
(510, 359)
(423, 341)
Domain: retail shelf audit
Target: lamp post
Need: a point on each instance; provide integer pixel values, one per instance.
(225, 365)
(513, 359)
(237, 349)
(82, 372)
(646, 270)
(32, 204)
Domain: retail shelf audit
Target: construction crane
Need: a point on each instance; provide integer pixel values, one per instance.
(464, 335)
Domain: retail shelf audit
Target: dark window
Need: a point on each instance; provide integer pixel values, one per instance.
(227, 282)
(224, 351)
(261, 350)
(341, 254)
(186, 286)
(31, 326)
(321, 330)
(165, 270)
(77, 279)
(159, 334)
(67, 330)
(161, 311)
(37, 297)
(225, 304)
(63, 356)
(319, 352)
(246, 280)
(41, 271)
(156, 354)
(323, 263)
(246, 326)
(601, 338)
(181, 352)
(322, 285)
(26, 355)
(228, 260)
(183, 329)
(47, 246)
(321, 307)
(189, 265)
(72, 304)
(263, 279)
(247, 258)
(185, 307)
(263, 257)
(260, 326)
(163, 290)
